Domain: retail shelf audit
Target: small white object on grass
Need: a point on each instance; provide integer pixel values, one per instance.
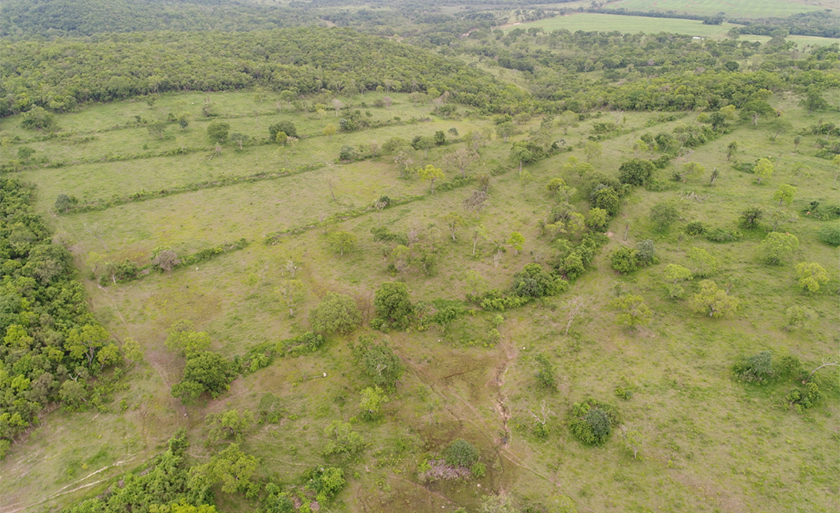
(325, 374)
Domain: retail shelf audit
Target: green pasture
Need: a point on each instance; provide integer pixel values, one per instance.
(732, 8)
(709, 443)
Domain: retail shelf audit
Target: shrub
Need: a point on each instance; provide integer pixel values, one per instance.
(663, 215)
(545, 373)
(461, 453)
(804, 399)
(623, 260)
(723, 235)
(393, 305)
(592, 422)
(337, 313)
(830, 235)
(695, 228)
(755, 369)
(635, 171)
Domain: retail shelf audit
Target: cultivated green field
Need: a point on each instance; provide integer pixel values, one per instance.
(733, 8)
(709, 443)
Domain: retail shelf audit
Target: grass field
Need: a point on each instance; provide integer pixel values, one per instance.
(732, 8)
(635, 24)
(709, 443)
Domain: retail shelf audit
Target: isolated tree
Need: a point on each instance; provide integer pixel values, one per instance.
(461, 453)
(516, 241)
(714, 301)
(689, 170)
(291, 293)
(632, 311)
(779, 126)
(663, 215)
(401, 256)
(780, 217)
(337, 313)
(341, 242)
(157, 129)
(182, 338)
(231, 468)
(674, 274)
(217, 131)
(476, 202)
(330, 130)
(556, 185)
(731, 149)
(285, 126)
(763, 169)
(229, 425)
(520, 153)
(204, 372)
(131, 350)
(341, 439)
(776, 246)
(632, 440)
(799, 317)
(784, 194)
(166, 260)
(372, 400)
(337, 105)
(703, 264)
(424, 143)
(453, 222)
(811, 275)
(430, 173)
(497, 504)
(291, 267)
(380, 363)
(184, 120)
(592, 149)
(24, 153)
(392, 304)
(750, 217)
(461, 158)
(281, 138)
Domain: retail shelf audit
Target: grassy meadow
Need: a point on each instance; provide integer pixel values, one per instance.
(709, 443)
(740, 9)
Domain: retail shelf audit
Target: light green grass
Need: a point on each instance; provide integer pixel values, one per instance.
(732, 8)
(710, 443)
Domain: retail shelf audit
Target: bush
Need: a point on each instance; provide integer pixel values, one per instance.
(461, 453)
(663, 215)
(635, 171)
(284, 126)
(804, 399)
(592, 422)
(392, 305)
(695, 228)
(723, 235)
(337, 313)
(545, 373)
(755, 369)
(623, 260)
(830, 235)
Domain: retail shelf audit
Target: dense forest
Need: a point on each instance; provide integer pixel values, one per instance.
(330, 255)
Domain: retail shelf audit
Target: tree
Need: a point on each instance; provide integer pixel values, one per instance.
(592, 421)
(131, 350)
(341, 439)
(516, 241)
(811, 275)
(166, 260)
(424, 143)
(505, 130)
(461, 453)
(281, 138)
(632, 311)
(776, 246)
(814, 100)
(24, 153)
(713, 301)
(231, 468)
(337, 105)
(461, 158)
(379, 362)
(632, 440)
(780, 217)
(635, 171)
(497, 504)
(763, 169)
(182, 338)
(229, 425)
(689, 170)
(285, 126)
(785, 194)
(342, 241)
(676, 273)
(592, 149)
(157, 129)
(430, 173)
(440, 138)
(476, 202)
(372, 400)
(779, 126)
(597, 219)
(330, 130)
(204, 372)
(556, 185)
(217, 131)
(393, 305)
(750, 217)
(732, 149)
(453, 221)
(37, 118)
(291, 293)
(606, 199)
(87, 341)
(337, 313)
(521, 153)
(702, 262)
(663, 215)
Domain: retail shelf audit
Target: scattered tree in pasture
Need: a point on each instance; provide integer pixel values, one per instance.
(780, 217)
(776, 246)
(731, 150)
(750, 217)
(674, 274)
(779, 126)
(799, 317)
(763, 169)
(703, 264)
(229, 425)
(635, 171)
(182, 338)
(476, 202)
(281, 138)
(286, 126)
(461, 158)
(424, 143)
(453, 222)
(291, 293)
(632, 311)
(505, 130)
(689, 170)
(341, 439)
(231, 468)
(392, 305)
(217, 131)
(516, 241)
(337, 313)
(166, 260)
(663, 215)
(714, 301)
(371, 403)
(342, 242)
(330, 130)
(811, 275)
(430, 173)
(337, 105)
(592, 149)
(204, 372)
(784, 194)
(291, 267)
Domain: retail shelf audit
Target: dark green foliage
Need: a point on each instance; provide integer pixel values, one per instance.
(440, 138)
(37, 119)
(393, 305)
(635, 171)
(607, 199)
(830, 234)
(337, 313)
(695, 228)
(750, 217)
(204, 372)
(285, 126)
(461, 453)
(755, 369)
(645, 253)
(723, 235)
(533, 282)
(804, 399)
(325, 482)
(347, 154)
(663, 215)
(217, 131)
(270, 409)
(379, 362)
(381, 234)
(592, 422)
(165, 481)
(624, 260)
(545, 373)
